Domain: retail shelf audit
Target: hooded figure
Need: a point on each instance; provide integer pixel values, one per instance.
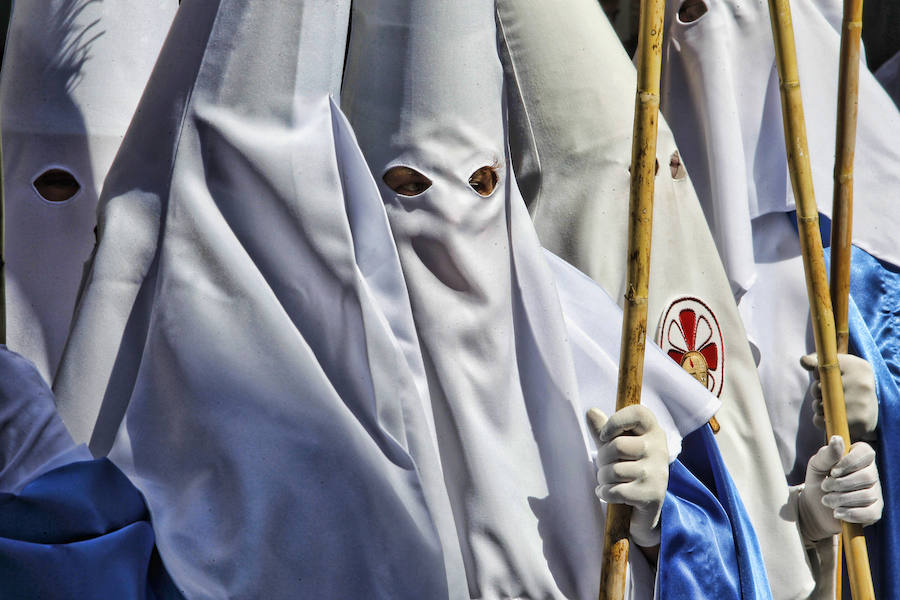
(423, 90)
(726, 114)
(501, 322)
(571, 133)
(720, 94)
(73, 73)
(243, 323)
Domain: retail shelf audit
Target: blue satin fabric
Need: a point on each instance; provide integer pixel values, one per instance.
(874, 319)
(80, 531)
(708, 546)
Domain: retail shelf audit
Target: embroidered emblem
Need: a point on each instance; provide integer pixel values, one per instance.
(689, 333)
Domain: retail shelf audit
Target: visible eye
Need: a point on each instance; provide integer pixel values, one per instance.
(484, 180)
(676, 167)
(56, 185)
(691, 10)
(406, 181)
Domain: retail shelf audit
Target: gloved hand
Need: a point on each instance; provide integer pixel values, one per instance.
(859, 394)
(837, 487)
(632, 466)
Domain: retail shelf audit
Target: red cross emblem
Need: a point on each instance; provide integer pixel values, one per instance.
(689, 333)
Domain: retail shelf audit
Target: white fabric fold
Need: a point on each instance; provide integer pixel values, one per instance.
(679, 404)
(783, 336)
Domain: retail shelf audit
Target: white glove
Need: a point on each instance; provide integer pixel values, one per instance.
(859, 394)
(632, 466)
(845, 488)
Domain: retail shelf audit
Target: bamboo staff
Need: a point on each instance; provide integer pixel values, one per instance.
(640, 219)
(842, 200)
(816, 276)
(845, 145)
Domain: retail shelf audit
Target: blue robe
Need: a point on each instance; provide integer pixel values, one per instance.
(708, 547)
(874, 319)
(80, 531)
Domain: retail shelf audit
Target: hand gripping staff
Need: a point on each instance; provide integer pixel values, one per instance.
(816, 277)
(634, 322)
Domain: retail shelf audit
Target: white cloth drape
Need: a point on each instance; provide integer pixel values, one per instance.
(726, 114)
(33, 439)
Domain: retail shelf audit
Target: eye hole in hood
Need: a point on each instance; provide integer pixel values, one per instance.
(56, 185)
(691, 10)
(406, 181)
(484, 180)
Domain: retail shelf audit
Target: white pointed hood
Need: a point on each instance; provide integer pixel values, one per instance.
(720, 95)
(246, 325)
(423, 88)
(73, 73)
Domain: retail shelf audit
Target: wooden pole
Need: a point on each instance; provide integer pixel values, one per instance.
(640, 220)
(842, 200)
(845, 145)
(816, 277)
